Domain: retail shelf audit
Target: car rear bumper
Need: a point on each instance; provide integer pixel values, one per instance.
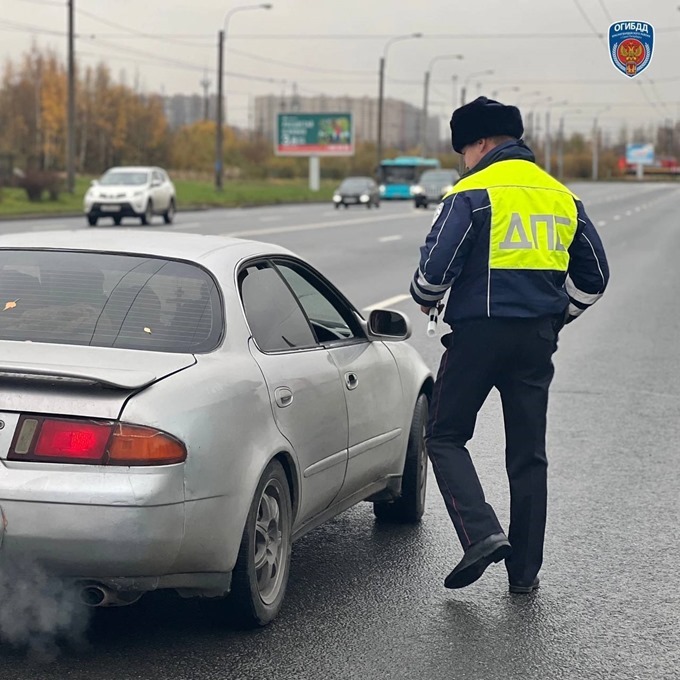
(93, 541)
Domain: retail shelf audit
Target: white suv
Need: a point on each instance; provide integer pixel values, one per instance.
(131, 192)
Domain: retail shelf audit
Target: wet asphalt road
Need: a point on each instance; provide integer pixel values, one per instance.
(366, 601)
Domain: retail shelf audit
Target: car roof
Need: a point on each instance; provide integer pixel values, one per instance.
(134, 168)
(173, 245)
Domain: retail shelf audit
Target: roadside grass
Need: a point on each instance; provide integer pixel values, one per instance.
(190, 194)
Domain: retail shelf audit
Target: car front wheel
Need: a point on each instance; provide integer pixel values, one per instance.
(169, 214)
(410, 506)
(261, 573)
(147, 215)
(92, 220)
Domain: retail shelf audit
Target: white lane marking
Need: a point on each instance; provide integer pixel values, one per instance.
(637, 208)
(387, 303)
(271, 218)
(387, 239)
(629, 213)
(314, 227)
(601, 223)
(617, 218)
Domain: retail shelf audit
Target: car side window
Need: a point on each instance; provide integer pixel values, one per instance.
(331, 320)
(274, 315)
(156, 176)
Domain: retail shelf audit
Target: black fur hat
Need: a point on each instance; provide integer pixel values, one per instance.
(484, 118)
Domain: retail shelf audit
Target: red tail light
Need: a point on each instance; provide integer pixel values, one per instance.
(70, 440)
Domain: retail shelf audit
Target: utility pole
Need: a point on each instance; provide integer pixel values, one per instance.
(423, 117)
(381, 91)
(71, 114)
(219, 138)
(596, 149)
(205, 84)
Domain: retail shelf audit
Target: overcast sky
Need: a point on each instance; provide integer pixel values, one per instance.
(334, 47)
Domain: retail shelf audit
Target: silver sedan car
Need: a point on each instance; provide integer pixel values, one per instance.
(176, 409)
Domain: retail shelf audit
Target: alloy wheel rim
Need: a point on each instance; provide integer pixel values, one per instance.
(271, 542)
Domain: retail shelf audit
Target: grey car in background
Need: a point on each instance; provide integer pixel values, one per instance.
(433, 186)
(177, 409)
(357, 191)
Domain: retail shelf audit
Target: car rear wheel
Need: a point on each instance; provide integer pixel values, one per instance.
(117, 220)
(147, 215)
(410, 506)
(169, 214)
(92, 221)
(261, 574)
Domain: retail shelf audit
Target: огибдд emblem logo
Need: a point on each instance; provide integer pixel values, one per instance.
(631, 44)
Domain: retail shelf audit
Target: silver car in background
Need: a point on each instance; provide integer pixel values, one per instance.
(177, 409)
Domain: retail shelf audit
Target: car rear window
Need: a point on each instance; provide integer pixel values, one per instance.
(108, 300)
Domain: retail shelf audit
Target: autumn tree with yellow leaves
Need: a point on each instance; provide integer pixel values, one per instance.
(114, 124)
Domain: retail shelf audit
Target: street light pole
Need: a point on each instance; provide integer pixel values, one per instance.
(596, 144)
(381, 88)
(463, 89)
(548, 141)
(219, 132)
(560, 146)
(71, 114)
(426, 92)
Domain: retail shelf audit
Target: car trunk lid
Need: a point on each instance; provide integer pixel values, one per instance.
(81, 381)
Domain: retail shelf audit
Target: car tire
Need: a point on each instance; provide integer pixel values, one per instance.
(410, 506)
(377, 204)
(346, 205)
(169, 214)
(92, 220)
(337, 205)
(147, 215)
(257, 592)
(117, 221)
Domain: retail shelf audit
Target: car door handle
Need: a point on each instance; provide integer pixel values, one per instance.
(351, 380)
(283, 396)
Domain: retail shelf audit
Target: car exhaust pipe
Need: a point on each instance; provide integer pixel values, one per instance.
(95, 595)
(98, 595)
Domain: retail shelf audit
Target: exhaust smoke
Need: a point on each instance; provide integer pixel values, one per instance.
(39, 612)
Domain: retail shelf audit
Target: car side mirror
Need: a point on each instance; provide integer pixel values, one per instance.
(156, 183)
(94, 182)
(386, 324)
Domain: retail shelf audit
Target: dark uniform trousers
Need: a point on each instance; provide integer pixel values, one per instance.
(515, 356)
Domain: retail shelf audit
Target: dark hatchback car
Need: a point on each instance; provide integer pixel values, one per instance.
(433, 186)
(357, 191)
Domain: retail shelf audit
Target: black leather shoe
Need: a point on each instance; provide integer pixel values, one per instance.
(477, 558)
(520, 589)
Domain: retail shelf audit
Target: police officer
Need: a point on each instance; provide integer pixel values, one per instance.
(520, 258)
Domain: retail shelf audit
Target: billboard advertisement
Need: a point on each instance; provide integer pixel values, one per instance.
(640, 154)
(314, 134)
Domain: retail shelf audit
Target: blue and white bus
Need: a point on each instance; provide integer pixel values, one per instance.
(398, 176)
